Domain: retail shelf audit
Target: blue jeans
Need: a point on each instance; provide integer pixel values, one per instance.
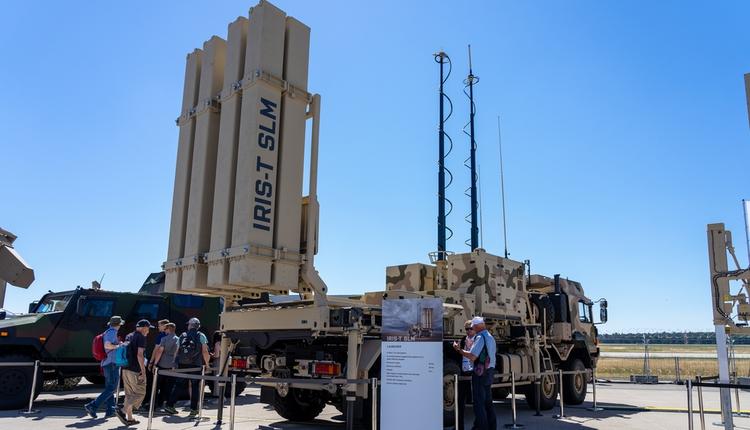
(484, 411)
(111, 383)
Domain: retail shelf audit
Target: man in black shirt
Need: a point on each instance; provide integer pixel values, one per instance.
(134, 374)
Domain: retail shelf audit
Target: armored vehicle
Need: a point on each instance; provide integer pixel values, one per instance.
(61, 326)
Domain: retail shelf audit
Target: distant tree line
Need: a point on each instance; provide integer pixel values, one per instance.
(670, 337)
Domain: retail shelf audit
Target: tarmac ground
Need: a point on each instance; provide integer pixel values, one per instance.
(626, 406)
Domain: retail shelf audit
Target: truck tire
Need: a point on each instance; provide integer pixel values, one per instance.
(574, 386)
(298, 404)
(15, 382)
(450, 402)
(548, 393)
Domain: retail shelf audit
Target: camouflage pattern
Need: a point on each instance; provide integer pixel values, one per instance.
(497, 282)
(410, 277)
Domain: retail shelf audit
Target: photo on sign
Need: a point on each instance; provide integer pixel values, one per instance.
(412, 320)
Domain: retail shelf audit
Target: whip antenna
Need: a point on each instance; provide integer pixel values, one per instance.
(502, 185)
(471, 162)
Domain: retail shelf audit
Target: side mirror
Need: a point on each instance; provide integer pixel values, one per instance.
(33, 305)
(603, 310)
(81, 306)
(2, 314)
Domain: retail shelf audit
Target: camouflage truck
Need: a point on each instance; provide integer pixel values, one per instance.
(540, 324)
(61, 326)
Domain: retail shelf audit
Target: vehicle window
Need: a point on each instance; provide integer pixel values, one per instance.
(584, 312)
(187, 302)
(53, 304)
(148, 310)
(98, 308)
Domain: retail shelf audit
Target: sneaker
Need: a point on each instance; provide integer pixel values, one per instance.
(121, 416)
(109, 414)
(170, 410)
(90, 410)
(193, 414)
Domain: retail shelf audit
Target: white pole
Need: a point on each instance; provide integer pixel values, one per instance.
(724, 393)
(154, 381)
(33, 389)
(202, 385)
(233, 393)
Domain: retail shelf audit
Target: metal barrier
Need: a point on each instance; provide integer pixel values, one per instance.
(181, 373)
(373, 383)
(699, 383)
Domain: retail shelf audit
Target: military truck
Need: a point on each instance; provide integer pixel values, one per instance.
(241, 227)
(61, 326)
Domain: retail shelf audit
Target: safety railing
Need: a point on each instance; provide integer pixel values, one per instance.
(187, 373)
(536, 379)
(232, 380)
(699, 383)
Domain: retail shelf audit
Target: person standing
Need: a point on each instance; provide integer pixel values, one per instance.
(464, 386)
(109, 370)
(192, 352)
(162, 326)
(483, 355)
(134, 374)
(164, 357)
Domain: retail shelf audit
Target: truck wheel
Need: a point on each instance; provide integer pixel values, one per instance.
(450, 402)
(298, 404)
(500, 393)
(548, 391)
(15, 382)
(95, 379)
(574, 386)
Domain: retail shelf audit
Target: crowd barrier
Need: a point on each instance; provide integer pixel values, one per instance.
(186, 373)
(699, 383)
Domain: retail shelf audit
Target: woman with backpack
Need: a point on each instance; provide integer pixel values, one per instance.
(192, 352)
(103, 349)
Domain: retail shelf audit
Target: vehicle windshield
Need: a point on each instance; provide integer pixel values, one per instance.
(56, 303)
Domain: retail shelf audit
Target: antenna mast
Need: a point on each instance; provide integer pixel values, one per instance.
(443, 231)
(469, 82)
(502, 185)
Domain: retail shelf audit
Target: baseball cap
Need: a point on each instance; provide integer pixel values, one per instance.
(476, 321)
(195, 322)
(144, 323)
(116, 320)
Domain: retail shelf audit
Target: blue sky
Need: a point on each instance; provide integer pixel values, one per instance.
(624, 125)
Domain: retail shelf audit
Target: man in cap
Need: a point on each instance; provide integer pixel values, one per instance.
(192, 352)
(483, 355)
(109, 370)
(165, 353)
(134, 374)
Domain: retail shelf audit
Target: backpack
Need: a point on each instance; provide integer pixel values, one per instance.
(189, 348)
(483, 361)
(97, 347)
(121, 354)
